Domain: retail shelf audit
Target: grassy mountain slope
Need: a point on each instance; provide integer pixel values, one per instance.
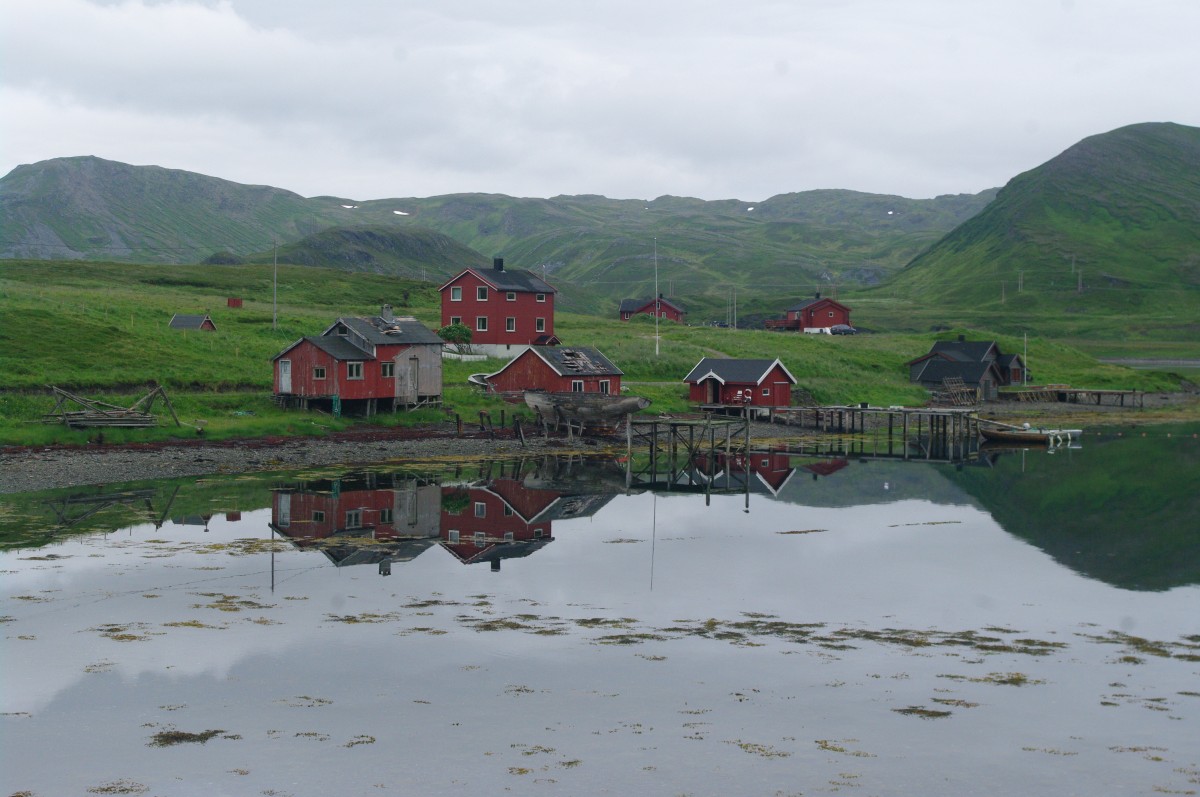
(1109, 229)
(597, 250)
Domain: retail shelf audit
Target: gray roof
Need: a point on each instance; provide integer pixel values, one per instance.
(965, 350)
(521, 280)
(380, 332)
(184, 321)
(729, 369)
(632, 305)
(338, 348)
(807, 302)
(971, 372)
(577, 361)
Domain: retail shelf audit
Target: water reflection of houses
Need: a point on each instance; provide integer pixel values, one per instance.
(366, 518)
(502, 518)
(755, 472)
(373, 518)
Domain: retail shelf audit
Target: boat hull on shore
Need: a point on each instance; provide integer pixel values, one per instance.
(1045, 437)
(583, 406)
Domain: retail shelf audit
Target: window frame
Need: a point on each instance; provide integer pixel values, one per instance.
(387, 369)
(510, 324)
(540, 297)
(354, 370)
(481, 293)
(456, 293)
(319, 373)
(510, 296)
(481, 323)
(539, 325)
(576, 385)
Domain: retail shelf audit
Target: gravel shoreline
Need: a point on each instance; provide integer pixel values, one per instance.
(43, 468)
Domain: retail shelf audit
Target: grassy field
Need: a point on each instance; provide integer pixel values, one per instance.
(101, 330)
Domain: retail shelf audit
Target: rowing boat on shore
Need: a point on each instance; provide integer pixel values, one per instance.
(1004, 433)
(583, 406)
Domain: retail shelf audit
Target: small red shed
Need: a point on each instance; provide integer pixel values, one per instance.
(729, 382)
(185, 322)
(664, 308)
(558, 369)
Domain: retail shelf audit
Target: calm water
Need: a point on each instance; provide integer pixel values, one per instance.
(802, 623)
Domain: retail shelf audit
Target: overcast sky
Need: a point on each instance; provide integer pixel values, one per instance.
(369, 99)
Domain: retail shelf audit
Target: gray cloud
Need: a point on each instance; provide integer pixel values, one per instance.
(370, 98)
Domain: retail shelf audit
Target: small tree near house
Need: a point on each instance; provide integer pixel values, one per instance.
(457, 334)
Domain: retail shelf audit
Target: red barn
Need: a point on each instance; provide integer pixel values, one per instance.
(505, 310)
(664, 308)
(729, 382)
(814, 315)
(184, 321)
(362, 365)
(558, 369)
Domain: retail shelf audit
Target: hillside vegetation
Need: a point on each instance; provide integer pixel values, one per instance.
(102, 331)
(1101, 243)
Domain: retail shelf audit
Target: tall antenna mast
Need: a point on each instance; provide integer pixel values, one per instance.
(656, 302)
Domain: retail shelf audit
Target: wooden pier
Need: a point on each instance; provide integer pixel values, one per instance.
(1071, 395)
(950, 422)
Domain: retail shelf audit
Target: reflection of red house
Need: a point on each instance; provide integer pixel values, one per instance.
(816, 314)
(377, 516)
(558, 369)
(826, 467)
(505, 310)
(734, 382)
(663, 308)
(501, 519)
(765, 471)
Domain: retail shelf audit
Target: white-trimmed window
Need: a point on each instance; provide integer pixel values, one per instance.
(604, 386)
(481, 323)
(541, 297)
(387, 369)
(456, 293)
(455, 319)
(354, 370)
(354, 518)
(452, 536)
(576, 385)
(539, 325)
(510, 324)
(318, 372)
(480, 509)
(318, 516)
(509, 536)
(385, 515)
(537, 534)
(766, 391)
(511, 296)
(480, 539)
(481, 293)
(831, 314)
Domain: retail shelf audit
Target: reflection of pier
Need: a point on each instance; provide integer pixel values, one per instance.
(953, 425)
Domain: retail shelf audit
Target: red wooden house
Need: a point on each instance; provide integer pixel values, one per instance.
(667, 309)
(558, 369)
(728, 382)
(505, 310)
(814, 315)
(764, 471)
(362, 365)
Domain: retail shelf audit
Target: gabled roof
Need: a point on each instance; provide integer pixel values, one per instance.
(521, 280)
(730, 370)
(965, 350)
(1007, 360)
(336, 346)
(185, 321)
(633, 305)
(379, 331)
(818, 300)
(569, 361)
(971, 373)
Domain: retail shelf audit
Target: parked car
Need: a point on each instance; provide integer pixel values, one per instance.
(842, 329)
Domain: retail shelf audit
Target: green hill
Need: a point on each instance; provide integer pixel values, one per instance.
(596, 250)
(1103, 240)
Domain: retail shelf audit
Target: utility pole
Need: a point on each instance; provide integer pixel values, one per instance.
(275, 288)
(1079, 284)
(1001, 293)
(656, 302)
(1020, 281)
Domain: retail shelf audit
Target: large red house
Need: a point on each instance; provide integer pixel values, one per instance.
(729, 382)
(558, 369)
(664, 308)
(362, 365)
(813, 315)
(506, 311)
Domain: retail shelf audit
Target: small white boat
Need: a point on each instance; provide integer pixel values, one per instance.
(1004, 433)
